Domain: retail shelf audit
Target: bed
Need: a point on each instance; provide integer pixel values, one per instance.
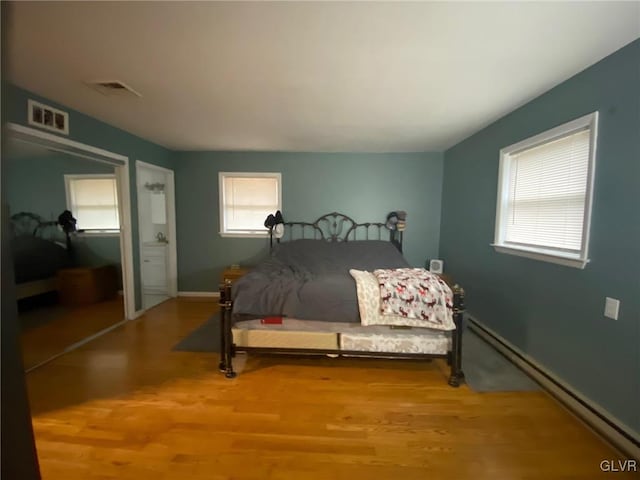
(309, 297)
(39, 251)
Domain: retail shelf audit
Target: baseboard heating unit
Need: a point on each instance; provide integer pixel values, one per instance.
(621, 437)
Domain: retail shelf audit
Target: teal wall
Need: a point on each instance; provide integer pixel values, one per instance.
(91, 131)
(551, 312)
(36, 184)
(363, 186)
(555, 313)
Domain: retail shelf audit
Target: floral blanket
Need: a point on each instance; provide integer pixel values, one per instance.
(415, 293)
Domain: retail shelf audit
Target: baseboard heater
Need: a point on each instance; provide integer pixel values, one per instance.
(619, 436)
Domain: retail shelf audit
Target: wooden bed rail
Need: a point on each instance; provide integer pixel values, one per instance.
(227, 347)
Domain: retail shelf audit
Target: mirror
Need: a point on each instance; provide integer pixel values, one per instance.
(69, 284)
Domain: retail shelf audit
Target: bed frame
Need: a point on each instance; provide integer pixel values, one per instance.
(27, 223)
(337, 227)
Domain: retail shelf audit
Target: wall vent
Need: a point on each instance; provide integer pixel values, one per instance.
(113, 88)
(49, 118)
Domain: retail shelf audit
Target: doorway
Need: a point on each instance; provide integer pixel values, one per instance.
(157, 233)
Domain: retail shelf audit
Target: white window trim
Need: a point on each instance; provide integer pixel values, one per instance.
(67, 187)
(248, 234)
(579, 260)
(98, 233)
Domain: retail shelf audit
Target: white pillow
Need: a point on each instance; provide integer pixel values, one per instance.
(368, 296)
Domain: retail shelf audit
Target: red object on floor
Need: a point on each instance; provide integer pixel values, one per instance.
(272, 320)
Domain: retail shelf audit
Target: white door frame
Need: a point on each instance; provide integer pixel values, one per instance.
(172, 249)
(121, 164)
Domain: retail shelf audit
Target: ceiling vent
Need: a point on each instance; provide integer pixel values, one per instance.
(114, 88)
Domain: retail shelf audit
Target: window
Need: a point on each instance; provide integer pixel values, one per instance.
(246, 199)
(93, 201)
(544, 194)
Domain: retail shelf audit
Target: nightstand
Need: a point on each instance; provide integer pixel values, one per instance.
(448, 279)
(231, 274)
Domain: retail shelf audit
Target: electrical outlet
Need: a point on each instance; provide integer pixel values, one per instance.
(611, 308)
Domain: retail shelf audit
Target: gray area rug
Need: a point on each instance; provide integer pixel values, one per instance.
(205, 338)
(485, 369)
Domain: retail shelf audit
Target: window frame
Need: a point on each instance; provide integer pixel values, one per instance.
(222, 223)
(68, 178)
(547, 254)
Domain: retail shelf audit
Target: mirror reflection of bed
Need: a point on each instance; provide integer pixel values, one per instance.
(69, 284)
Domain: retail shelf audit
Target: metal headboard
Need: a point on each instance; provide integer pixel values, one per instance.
(27, 223)
(337, 227)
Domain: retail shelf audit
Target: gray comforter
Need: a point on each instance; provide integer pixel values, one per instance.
(309, 279)
(36, 258)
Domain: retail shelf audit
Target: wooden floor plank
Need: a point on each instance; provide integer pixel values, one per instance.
(57, 327)
(128, 407)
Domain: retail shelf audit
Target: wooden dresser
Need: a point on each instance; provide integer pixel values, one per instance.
(86, 285)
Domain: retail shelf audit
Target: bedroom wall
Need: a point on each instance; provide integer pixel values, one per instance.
(36, 185)
(551, 312)
(363, 186)
(91, 131)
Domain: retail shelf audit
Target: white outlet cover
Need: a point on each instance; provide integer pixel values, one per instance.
(611, 308)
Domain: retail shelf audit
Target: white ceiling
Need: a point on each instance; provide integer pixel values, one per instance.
(309, 76)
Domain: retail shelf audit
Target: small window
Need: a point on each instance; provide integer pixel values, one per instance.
(544, 194)
(246, 199)
(93, 201)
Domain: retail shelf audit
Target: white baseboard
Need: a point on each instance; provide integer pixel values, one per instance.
(615, 432)
(199, 294)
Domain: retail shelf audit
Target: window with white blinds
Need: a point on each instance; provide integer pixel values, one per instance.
(544, 197)
(93, 201)
(246, 199)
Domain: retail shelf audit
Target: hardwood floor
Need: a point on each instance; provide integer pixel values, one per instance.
(56, 327)
(127, 407)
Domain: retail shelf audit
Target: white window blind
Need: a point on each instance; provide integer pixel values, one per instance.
(246, 201)
(548, 186)
(93, 201)
(545, 193)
